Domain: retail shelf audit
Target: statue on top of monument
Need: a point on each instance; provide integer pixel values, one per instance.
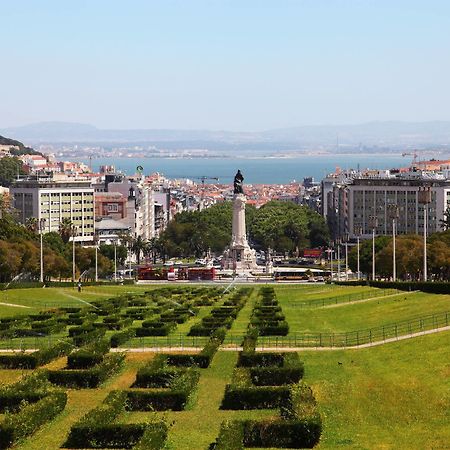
(238, 183)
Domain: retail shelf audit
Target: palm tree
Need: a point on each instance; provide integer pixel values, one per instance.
(138, 247)
(66, 229)
(31, 224)
(445, 222)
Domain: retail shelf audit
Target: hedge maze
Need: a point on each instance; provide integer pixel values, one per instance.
(269, 381)
(26, 406)
(222, 316)
(100, 429)
(267, 316)
(163, 383)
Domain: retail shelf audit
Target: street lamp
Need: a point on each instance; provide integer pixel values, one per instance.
(96, 256)
(373, 223)
(424, 198)
(346, 257)
(74, 232)
(394, 215)
(358, 233)
(338, 243)
(41, 231)
(115, 260)
(330, 251)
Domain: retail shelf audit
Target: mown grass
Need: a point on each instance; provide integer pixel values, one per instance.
(53, 435)
(395, 396)
(297, 293)
(36, 299)
(372, 313)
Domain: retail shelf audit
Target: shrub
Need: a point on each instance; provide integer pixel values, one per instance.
(97, 430)
(88, 356)
(15, 427)
(251, 397)
(90, 336)
(121, 337)
(88, 378)
(35, 359)
(281, 433)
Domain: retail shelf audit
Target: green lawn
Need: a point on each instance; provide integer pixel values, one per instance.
(395, 396)
(43, 298)
(364, 315)
(298, 293)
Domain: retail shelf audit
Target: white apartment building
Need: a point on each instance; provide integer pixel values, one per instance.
(368, 205)
(53, 199)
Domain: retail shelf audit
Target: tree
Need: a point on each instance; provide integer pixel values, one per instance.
(66, 229)
(445, 222)
(283, 226)
(31, 224)
(366, 254)
(10, 167)
(108, 252)
(10, 261)
(138, 247)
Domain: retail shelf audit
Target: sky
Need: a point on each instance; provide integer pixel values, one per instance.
(235, 65)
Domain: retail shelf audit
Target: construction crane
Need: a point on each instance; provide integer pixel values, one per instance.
(414, 154)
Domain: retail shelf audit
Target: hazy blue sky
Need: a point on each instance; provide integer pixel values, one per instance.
(239, 65)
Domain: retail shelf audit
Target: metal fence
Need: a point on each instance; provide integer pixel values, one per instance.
(314, 340)
(358, 337)
(357, 296)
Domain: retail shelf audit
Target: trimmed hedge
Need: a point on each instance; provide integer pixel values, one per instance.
(255, 397)
(31, 389)
(267, 315)
(29, 418)
(88, 378)
(241, 434)
(35, 359)
(202, 359)
(121, 337)
(97, 430)
(88, 356)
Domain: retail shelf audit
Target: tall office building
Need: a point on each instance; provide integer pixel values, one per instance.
(53, 198)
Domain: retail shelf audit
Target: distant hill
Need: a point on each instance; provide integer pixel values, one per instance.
(371, 134)
(21, 150)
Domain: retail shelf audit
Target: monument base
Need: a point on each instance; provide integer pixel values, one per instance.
(239, 257)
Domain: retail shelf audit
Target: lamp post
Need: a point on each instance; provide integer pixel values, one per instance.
(373, 223)
(115, 260)
(394, 215)
(96, 256)
(338, 243)
(358, 236)
(424, 198)
(330, 252)
(346, 257)
(74, 232)
(41, 232)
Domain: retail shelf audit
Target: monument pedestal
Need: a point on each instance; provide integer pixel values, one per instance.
(239, 257)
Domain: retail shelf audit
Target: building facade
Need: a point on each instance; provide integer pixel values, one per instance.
(51, 200)
(372, 202)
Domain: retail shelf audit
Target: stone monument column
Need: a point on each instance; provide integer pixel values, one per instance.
(239, 257)
(238, 227)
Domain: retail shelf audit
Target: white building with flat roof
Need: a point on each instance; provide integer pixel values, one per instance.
(370, 203)
(54, 199)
